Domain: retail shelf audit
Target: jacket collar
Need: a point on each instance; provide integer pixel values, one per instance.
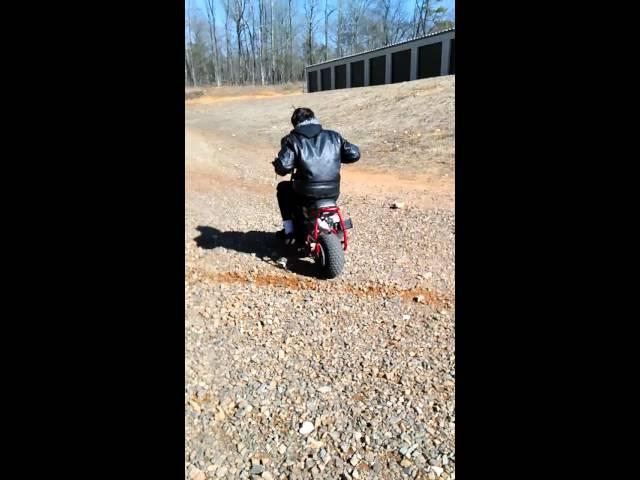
(309, 128)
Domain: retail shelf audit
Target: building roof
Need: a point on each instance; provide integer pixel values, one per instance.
(382, 48)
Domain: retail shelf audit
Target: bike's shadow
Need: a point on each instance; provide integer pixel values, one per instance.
(264, 245)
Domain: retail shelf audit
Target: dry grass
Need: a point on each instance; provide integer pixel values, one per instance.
(404, 127)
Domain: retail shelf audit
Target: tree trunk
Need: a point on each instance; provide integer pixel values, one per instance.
(327, 14)
(273, 54)
(290, 45)
(326, 31)
(310, 17)
(211, 15)
(310, 44)
(354, 41)
(261, 40)
(239, 18)
(339, 32)
(252, 41)
(189, 51)
(238, 35)
(228, 42)
(385, 25)
(425, 18)
(417, 17)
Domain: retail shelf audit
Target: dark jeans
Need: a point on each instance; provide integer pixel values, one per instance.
(289, 201)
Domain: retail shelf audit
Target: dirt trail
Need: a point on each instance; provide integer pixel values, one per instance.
(211, 95)
(211, 100)
(416, 294)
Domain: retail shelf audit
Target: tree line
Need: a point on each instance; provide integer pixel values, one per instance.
(238, 42)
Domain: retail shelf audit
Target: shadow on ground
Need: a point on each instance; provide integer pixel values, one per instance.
(264, 245)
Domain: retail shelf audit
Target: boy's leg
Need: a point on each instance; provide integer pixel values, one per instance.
(287, 201)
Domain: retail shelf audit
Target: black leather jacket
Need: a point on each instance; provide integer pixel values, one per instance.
(315, 155)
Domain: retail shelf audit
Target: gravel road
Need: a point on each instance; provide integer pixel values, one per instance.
(293, 377)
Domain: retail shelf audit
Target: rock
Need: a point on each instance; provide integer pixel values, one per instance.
(419, 299)
(406, 317)
(267, 476)
(325, 389)
(437, 470)
(405, 462)
(410, 450)
(282, 449)
(315, 444)
(397, 205)
(197, 474)
(256, 469)
(306, 428)
(355, 459)
(221, 472)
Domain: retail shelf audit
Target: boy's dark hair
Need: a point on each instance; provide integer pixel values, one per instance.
(301, 114)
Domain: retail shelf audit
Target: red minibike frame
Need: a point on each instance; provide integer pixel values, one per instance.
(316, 214)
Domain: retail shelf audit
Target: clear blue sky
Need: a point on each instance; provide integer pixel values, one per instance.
(409, 5)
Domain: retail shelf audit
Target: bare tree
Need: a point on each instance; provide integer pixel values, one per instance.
(251, 30)
(290, 45)
(189, 45)
(327, 14)
(273, 55)
(211, 16)
(417, 17)
(310, 22)
(227, 11)
(262, 12)
(239, 7)
(339, 28)
(426, 17)
(358, 9)
(399, 24)
(386, 8)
